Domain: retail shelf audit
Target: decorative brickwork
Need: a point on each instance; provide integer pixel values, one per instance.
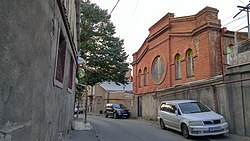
(196, 39)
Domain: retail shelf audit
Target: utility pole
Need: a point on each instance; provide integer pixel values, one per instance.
(246, 9)
(86, 108)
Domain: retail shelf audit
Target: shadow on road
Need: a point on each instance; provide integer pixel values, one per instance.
(203, 138)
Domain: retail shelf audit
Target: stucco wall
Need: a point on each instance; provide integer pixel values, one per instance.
(149, 107)
(32, 108)
(239, 98)
(230, 98)
(100, 99)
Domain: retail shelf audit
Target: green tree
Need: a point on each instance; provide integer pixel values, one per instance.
(100, 48)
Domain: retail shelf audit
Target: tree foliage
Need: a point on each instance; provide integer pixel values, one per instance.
(100, 48)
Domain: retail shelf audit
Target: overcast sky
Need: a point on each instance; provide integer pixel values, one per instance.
(133, 18)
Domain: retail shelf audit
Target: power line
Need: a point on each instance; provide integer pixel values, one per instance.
(246, 9)
(235, 20)
(233, 14)
(114, 7)
(239, 25)
(227, 18)
(242, 2)
(136, 7)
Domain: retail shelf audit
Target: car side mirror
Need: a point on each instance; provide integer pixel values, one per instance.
(176, 112)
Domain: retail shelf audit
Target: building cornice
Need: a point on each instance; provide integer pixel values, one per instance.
(197, 30)
(159, 32)
(141, 56)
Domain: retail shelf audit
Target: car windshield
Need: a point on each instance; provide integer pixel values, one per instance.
(121, 106)
(193, 107)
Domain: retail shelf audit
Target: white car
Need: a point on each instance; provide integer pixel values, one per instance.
(191, 117)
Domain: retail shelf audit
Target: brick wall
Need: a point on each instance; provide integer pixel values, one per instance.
(169, 36)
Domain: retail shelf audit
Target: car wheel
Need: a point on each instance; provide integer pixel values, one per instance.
(162, 125)
(185, 131)
(106, 115)
(115, 116)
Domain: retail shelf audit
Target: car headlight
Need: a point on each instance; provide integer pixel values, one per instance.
(119, 112)
(222, 120)
(195, 123)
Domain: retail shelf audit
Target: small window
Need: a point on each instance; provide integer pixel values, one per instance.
(163, 107)
(177, 66)
(167, 108)
(140, 78)
(190, 63)
(60, 63)
(145, 76)
(229, 54)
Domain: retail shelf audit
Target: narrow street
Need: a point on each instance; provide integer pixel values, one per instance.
(109, 129)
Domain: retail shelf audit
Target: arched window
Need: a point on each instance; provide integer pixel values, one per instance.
(177, 66)
(145, 76)
(229, 54)
(140, 78)
(190, 63)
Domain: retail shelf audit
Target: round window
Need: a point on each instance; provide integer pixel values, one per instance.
(158, 69)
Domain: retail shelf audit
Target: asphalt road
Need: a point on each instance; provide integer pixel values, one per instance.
(109, 129)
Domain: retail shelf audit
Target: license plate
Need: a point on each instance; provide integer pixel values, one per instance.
(214, 128)
(125, 114)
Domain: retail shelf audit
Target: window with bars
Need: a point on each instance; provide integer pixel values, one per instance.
(177, 66)
(190, 63)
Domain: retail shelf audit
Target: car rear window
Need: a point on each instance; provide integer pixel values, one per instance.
(118, 106)
(193, 107)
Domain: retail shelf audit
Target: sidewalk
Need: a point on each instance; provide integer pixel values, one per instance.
(81, 131)
(232, 137)
(76, 135)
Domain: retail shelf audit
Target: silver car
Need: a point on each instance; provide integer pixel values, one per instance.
(191, 117)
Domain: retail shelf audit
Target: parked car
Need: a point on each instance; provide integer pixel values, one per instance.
(116, 110)
(81, 110)
(191, 117)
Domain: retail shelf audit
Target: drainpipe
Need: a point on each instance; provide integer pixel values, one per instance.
(223, 31)
(78, 17)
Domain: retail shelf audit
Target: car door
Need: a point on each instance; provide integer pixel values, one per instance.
(175, 117)
(164, 114)
(170, 115)
(167, 114)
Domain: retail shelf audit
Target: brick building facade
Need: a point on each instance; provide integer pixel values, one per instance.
(180, 50)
